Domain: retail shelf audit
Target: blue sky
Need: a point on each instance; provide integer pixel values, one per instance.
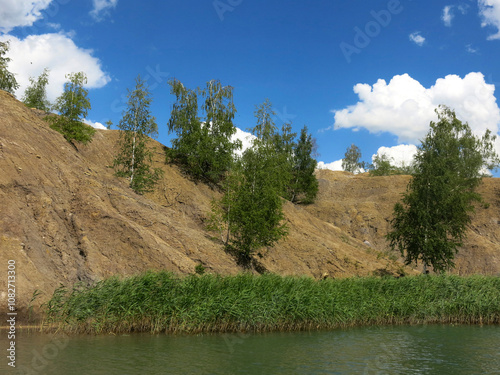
(368, 73)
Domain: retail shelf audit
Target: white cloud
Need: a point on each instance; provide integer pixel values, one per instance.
(58, 53)
(400, 156)
(333, 166)
(471, 49)
(447, 15)
(489, 10)
(416, 38)
(96, 125)
(405, 108)
(245, 138)
(14, 13)
(101, 8)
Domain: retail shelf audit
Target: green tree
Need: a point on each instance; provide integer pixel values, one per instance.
(35, 95)
(350, 162)
(406, 169)
(304, 184)
(135, 159)
(279, 147)
(430, 224)
(382, 166)
(186, 124)
(293, 163)
(265, 130)
(250, 214)
(73, 106)
(8, 80)
(203, 148)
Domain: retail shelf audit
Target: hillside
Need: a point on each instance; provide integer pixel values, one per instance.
(64, 218)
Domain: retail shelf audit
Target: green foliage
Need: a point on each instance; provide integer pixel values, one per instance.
(430, 224)
(8, 80)
(251, 209)
(382, 167)
(73, 106)
(350, 162)
(294, 165)
(303, 186)
(250, 212)
(135, 159)
(265, 130)
(406, 169)
(199, 269)
(203, 148)
(162, 302)
(275, 148)
(35, 95)
(283, 145)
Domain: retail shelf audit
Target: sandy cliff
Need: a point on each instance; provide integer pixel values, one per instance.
(64, 218)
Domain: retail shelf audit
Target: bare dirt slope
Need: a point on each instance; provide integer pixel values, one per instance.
(64, 218)
(361, 206)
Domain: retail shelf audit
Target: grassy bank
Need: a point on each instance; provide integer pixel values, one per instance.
(162, 302)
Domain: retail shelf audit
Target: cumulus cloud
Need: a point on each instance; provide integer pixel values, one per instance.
(14, 13)
(449, 13)
(95, 125)
(333, 166)
(101, 8)
(57, 52)
(489, 10)
(416, 38)
(245, 138)
(405, 108)
(400, 156)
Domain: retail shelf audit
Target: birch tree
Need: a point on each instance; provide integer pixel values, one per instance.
(73, 106)
(8, 80)
(304, 185)
(350, 162)
(250, 214)
(134, 160)
(430, 223)
(203, 146)
(35, 95)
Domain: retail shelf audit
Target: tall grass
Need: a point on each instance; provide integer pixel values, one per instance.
(162, 302)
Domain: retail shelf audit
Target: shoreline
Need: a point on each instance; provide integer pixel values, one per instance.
(58, 330)
(162, 302)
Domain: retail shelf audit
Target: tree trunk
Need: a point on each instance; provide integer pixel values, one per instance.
(132, 169)
(425, 270)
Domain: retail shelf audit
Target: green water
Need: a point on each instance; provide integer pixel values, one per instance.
(371, 350)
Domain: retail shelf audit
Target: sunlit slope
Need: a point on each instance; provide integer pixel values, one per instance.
(64, 217)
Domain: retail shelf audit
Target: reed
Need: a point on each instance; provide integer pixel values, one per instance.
(163, 302)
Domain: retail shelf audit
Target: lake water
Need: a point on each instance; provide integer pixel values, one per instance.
(368, 350)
